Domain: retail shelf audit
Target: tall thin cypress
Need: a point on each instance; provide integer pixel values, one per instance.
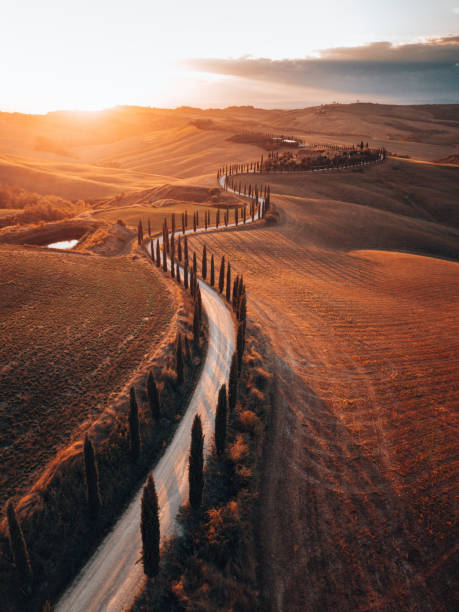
(152, 250)
(212, 271)
(18, 548)
(179, 249)
(177, 273)
(204, 262)
(185, 249)
(220, 421)
(196, 464)
(134, 428)
(153, 397)
(164, 259)
(166, 235)
(158, 253)
(235, 292)
(185, 274)
(91, 479)
(221, 280)
(228, 282)
(150, 529)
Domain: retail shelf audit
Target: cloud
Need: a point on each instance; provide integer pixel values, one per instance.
(425, 71)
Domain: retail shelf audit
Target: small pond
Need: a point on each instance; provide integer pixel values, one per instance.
(63, 244)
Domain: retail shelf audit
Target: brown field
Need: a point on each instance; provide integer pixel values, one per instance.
(356, 288)
(358, 506)
(95, 155)
(73, 329)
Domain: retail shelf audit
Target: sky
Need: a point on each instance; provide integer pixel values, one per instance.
(94, 54)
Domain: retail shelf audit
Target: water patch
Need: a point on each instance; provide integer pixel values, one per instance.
(63, 244)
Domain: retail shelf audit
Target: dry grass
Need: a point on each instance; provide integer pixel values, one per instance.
(364, 437)
(94, 155)
(72, 328)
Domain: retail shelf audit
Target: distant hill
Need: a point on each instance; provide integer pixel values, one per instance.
(98, 154)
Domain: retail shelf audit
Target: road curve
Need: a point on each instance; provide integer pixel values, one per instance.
(111, 578)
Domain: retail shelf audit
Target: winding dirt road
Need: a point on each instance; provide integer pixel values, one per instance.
(111, 578)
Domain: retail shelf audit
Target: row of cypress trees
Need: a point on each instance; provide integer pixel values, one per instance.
(150, 524)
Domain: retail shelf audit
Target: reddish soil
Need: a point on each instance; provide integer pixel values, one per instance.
(358, 507)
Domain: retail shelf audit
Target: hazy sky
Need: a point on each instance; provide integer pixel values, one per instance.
(90, 54)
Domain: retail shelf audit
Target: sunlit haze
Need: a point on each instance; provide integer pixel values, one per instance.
(95, 54)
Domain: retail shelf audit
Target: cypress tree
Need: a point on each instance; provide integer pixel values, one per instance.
(153, 397)
(217, 218)
(18, 549)
(194, 222)
(172, 264)
(183, 223)
(185, 274)
(92, 479)
(158, 254)
(139, 232)
(164, 259)
(186, 248)
(192, 284)
(166, 235)
(179, 249)
(195, 263)
(235, 292)
(228, 282)
(179, 360)
(204, 262)
(177, 273)
(233, 382)
(220, 421)
(212, 271)
(196, 464)
(152, 250)
(221, 280)
(149, 527)
(134, 428)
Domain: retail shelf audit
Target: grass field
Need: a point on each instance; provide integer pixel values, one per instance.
(366, 364)
(73, 328)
